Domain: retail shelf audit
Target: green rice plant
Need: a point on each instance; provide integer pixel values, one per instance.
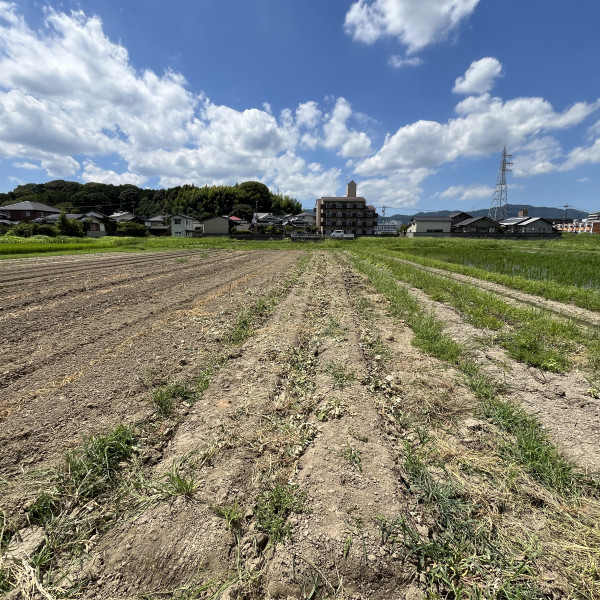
(528, 335)
(558, 269)
(273, 508)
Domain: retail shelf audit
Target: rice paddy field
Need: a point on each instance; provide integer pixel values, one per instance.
(370, 419)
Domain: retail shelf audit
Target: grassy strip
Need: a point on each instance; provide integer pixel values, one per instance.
(553, 290)
(528, 335)
(474, 544)
(429, 335)
(14, 247)
(530, 446)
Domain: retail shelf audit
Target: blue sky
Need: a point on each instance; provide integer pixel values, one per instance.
(413, 99)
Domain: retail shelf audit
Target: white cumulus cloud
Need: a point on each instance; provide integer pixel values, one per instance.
(70, 100)
(479, 78)
(482, 127)
(416, 23)
(464, 193)
(351, 143)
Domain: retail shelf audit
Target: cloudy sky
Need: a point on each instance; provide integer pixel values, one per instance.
(413, 99)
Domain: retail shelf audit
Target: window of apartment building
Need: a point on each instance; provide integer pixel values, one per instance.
(339, 222)
(338, 205)
(329, 204)
(359, 214)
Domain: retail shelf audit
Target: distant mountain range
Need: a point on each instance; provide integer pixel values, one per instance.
(554, 214)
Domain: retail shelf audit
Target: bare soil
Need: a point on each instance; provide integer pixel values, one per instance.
(86, 339)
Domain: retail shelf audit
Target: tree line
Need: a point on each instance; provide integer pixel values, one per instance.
(199, 202)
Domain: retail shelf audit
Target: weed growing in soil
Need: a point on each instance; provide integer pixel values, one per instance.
(341, 376)
(274, 507)
(474, 538)
(231, 514)
(93, 468)
(352, 455)
(429, 336)
(69, 506)
(179, 480)
(528, 444)
(333, 408)
(166, 397)
(357, 435)
(527, 334)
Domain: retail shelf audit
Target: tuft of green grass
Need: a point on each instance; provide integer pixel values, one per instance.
(165, 397)
(428, 331)
(274, 507)
(93, 468)
(529, 444)
(232, 515)
(179, 480)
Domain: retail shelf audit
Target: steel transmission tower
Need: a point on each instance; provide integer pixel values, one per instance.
(499, 207)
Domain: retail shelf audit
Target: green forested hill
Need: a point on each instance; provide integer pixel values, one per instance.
(201, 202)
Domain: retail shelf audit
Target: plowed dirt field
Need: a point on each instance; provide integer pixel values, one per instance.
(262, 428)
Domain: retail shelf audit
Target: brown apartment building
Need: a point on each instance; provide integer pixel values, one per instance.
(350, 213)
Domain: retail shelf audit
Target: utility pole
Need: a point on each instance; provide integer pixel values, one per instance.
(566, 207)
(499, 206)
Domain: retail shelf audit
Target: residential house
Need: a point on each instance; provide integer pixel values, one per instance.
(239, 224)
(458, 217)
(350, 213)
(184, 226)
(93, 222)
(429, 226)
(28, 211)
(159, 226)
(216, 226)
(530, 225)
(477, 225)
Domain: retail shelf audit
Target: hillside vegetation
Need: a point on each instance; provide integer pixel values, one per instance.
(200, 202)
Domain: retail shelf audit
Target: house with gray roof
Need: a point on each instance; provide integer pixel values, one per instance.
(477, 225)
(28, 211)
